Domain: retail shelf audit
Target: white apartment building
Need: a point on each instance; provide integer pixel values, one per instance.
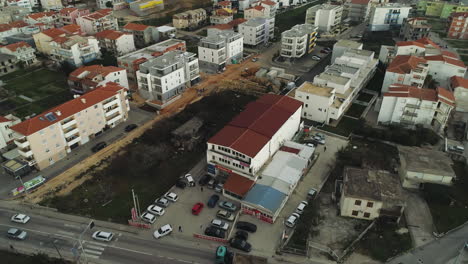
(406, 69)
(22, 51)
(219, 49)
(298, 41)
(220, 19)
(244, 145)
(343, 45)
(411, 106)
(49, 18)
(87, 78)
(100, 20)
(21, 3)
(75, 50)
(358, 10)
(325, 17)
(387, 16)
(459, 86)
(190, 19)
(420, 47)
(255, 31)
(6, 134)
(117, 42)
(443, 67)
(329, 95)
(269, 6)
(161, 80)
(48, 137)
(51, 4)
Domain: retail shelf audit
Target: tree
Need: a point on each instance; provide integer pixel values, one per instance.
(109, 4)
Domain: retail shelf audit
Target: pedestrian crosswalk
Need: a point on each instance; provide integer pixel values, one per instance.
(93, 249)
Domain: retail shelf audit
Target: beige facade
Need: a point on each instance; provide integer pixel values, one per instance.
(189, 19)
(50, 136)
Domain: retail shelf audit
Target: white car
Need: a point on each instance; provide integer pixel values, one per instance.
(103, 236)
(171, 196)
(20, 218)
(148, 217)
(189, 179)
(316, 58)
(154, 209)
(162, 231)
(220, 224)
(292, 220)
(300, 208)
(162, 202)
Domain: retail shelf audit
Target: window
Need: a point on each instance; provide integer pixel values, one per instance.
(370, 204)
(306, 105)
(355, 213)
(366, 215)
(95, 106)
(357, 202)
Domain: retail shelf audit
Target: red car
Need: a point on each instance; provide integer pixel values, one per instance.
(196, 209)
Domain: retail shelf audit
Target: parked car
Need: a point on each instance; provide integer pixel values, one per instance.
(300, 208)
(197, 208)
(154, 209)
(254, 59)
(148, 217)
(292, 220)
(15, 233)
(249, 227)
(205, 179)
(215, 232)
(228, 206)
(328, 49)
(241, 234)
(458, 149)
(310, 145)
(213, 200)
(223, 214)
(324, 51)
(180, 183)
(316, 58)
(220, 224)
(99, 146)
(162, 231)
(103, 236)
(189, 179)
(218, 188)
(319, 140)
(162, 202)
(320, 135)
(20, 218)
(311, 194)
(211, 183)
(171, 196)
(240, 244)
(130, 127)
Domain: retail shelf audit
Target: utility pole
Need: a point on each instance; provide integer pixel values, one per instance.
(89, 226)
(56, 248)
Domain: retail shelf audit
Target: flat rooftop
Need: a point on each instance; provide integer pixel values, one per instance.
(299, 31)
(308, 87)
(342, 68)
(334, 77)
(424, 160)
(348, 44)
(255, 22)
(167, 59)
(148, 52)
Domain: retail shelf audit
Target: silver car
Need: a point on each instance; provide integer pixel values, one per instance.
(15, 233)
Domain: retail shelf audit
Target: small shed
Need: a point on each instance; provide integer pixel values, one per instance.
(16, 168)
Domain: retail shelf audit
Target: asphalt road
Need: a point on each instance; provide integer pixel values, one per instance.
(51, 235)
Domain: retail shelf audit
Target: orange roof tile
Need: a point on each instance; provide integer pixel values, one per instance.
(36, 16)
(222, 26)
(428, 41)
(60, 40)
(448, 60)
(135, 27)
(237, 21)
(4, 119)
(95, 69)
(404, 64)
(446, 96)
(238, 184)
(268, 2)
(67, 109)
(14, 46)
(72, 28)
(18, 24)
(456, 81)
(109, 34)
(401, 90)
(224, 3)
(5, 27)
(68, 10)
(409, 43)
(53, 32)
(449, 54)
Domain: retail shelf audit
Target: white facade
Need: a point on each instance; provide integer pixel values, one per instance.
(407, 70)
(51, 4)
(219, 49)
(326, 17)
(21, 3)
(218, 19)
(298, 41)
(341, 46)
(6, 134)
(8, 31)
(22, 51)
(255, 31)
(98, 21)
(442, 68)
(75, 50)
(87, 78)
(385, 17)
(459, 86)
(117, 42)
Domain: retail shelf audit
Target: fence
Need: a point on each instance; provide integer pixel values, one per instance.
(221, 240)
(351, 246)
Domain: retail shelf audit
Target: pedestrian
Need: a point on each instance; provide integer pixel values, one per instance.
(201, 189)
(180, 228)
(324, 148)
(201, 227)
(11, 247)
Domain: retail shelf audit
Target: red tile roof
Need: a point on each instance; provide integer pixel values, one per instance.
(68, 10)
(5, 27)
(409, 43)
(445, 59)
(238, 184)
(135, 27)
(39, 122)
(259, 8)
(252, 129)
(4, 119)
(456, 81)
(446, 96)
(18, 24)
(14, 46)
(449, 54)
(222, 26)
(428, 42)
(404, 64)
(440, 94)
(224, 3)
(98, 14)
(360, 2)
(94, 70)
(72, 28)
(36, 16)
(268, 2)
(237, 21)
(109, 34)
(53, 32)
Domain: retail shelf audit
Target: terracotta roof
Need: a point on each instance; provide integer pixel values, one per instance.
(67, 109)
(428, 41)
(252, 129)
(222, 26)
(5, 27)
(224, 3)
(409, 43)
(238, 184)
(14, 46)
(104, 11)
(268, 2)
(98, 14)
(446, 96)
(135, 26)
(36, 16)
(18, 24)
(94, 70)
(4, 119)
(60, 40)
(70, 29)
(360, 2)
(440, 94)
(457, 81)
(68, 10)
(449, 54)
(445, 59)
(53, 32)
(404, 63)
(109, 34)
(259, 8)
(237, 21)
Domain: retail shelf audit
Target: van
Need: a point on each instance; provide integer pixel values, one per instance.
(189, 179)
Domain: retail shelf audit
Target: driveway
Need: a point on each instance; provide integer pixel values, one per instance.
(418, 219)
(136, 116)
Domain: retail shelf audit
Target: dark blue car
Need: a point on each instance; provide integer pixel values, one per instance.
(213, 200)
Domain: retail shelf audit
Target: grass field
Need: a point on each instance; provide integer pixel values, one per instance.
(44, 87)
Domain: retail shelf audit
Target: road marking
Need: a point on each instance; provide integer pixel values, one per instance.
(135, 251)
(95, 243)
(92, 256)
(66, 233)
(94, 247)
(92, 251)
(185, 261)
(72, 226)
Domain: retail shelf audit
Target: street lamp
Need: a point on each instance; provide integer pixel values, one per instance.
(89, 226)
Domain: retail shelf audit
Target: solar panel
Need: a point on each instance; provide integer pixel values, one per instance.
(51, 117)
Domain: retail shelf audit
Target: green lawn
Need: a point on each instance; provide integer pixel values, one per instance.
(293, 17)
(345, 127)
(355, 110)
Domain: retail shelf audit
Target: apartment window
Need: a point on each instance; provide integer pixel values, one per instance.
(366, 215)
(307, 97)
(41, 132)
(357, 202)
(95, 106)
(306, 105)
(355, 213)
(370, 204)
(47, 150)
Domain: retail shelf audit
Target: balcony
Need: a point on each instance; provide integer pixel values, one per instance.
(113, 118)
(110, 103)
(25, 152)
(72, 131)
(22, 142)
(112, 111)
(68, 123)
(73, 140)
(413, 106)
(407, 113)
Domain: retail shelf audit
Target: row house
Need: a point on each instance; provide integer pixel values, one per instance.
(52, 135)
(68, 16)
(42, 39)
(411, 106)
(74, 50)
(415, 28)
(325, 17)
(298, 41)
(459, 87)
(387, 16)
(6, 134)
(457, 25)
(219, 49)
(51, 4)
(23, 52)
(190, 19)
(117, 42)
(406, 69)
(100, 20)
(87, 78)
(163, 79)
(48, 19)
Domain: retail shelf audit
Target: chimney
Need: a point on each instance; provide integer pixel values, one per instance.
(83, 100)
(58, 113)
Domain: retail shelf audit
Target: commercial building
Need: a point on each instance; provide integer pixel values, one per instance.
(132, 61)
(143, 35)
(219, 49)
(387, 16)
(100, 20)
(8, 63)
(406, 69)
(68, 16)
(48, 137)
(146, 7)
(43, 39)
(459, 86)
(6, 134)
(117, 42)
(23, 52)
(325, 17)
(358, 10)
(422, 165)
(74, 50)
(246, 143)
(163, 79)
(87, 78)
(442, 9)
(255, 31)
(411, 106)
(457, 26)
(190, 19)
(298, 41)
(415, 28)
